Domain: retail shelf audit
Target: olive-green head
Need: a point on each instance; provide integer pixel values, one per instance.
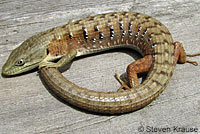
(24, 58)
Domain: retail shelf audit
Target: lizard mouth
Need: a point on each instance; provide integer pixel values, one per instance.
(17, 69)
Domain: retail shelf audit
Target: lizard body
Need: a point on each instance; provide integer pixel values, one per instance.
(99, 33)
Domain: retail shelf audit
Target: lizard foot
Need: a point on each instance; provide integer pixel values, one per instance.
(48, 64)
(123, 82)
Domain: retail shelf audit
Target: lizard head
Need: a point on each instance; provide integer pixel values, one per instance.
(24, 58)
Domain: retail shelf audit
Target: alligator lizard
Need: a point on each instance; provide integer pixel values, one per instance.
(98, 33)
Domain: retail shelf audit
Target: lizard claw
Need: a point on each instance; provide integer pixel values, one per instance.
(123, 83)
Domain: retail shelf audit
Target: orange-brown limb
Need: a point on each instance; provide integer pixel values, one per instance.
(181, 56)
(143, 65)
(139, 66)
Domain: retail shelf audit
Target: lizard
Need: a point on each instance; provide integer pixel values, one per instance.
(98, 33)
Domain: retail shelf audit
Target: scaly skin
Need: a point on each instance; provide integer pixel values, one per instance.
(98, 33)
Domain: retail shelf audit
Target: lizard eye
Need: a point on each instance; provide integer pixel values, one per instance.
(20, 62)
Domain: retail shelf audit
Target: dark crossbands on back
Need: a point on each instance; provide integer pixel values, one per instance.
(95, 34)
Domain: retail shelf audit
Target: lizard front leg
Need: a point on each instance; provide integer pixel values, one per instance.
(63, 61)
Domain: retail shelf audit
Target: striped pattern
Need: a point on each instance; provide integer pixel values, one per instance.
(94, 34)
(112, 30)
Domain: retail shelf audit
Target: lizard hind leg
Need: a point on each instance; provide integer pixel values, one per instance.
(181, 56)
(139, 66)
